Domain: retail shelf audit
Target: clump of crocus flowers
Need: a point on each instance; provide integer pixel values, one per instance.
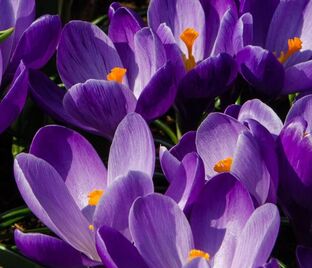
(235, 78)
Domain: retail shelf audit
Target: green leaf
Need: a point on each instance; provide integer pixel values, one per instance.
(6, 34)
(10, 259)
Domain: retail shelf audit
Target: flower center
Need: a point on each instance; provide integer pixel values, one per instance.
(294, 45)
(94, 197)
(223, 165)
(117, 74)
(196, 253)
(189, 36)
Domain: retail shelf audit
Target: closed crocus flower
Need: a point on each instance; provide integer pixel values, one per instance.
(245, 150)
(279, 61)
(164, 238)
(295, 146)
(30, 45)
(102, 87)
(66, 185)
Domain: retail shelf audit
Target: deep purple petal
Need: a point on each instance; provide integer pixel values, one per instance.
(122, 28)
(243, 32)
(113, 208)
(85, 52)
(169, 163)
(150, 55)
(116, 251)
(262, 12)
(303, 109)
(38, 43)
(13, 102)
(112, 9)
(156, 214)
(216, 139)
(298, 78)
(159, 94)
(256, 241)
(47, 250)
(218, 217)
(132, 148)
(264, 114)
(46, 195)
(304, 256)
(179, 15)
(74, 158)
(261, 69)
(186, 145)
(99, 105)
(233, 110)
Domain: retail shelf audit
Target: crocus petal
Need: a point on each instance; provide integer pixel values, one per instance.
(74, 158)
(116, 251)
(159, 94)
(150, 56)
(122, 28)
(85, 52)
(47, 250)
(186, 145)
(243, 32)
(262, 13)
(7, 21)
(53, 205)
(38, 43)
(224, 37)
(197, 263)
(13, 102)
(112, 9)
(304, 256)
(301, 108)
(298, 78)
(99, 104)
(24, 15)
(264, 114)
(233, 110)
(272, 264)
(132, 148)
(306, 28)
(113, 208)
(281, 30)
(256, 241)
(218, 217)
(216, 139)
(157, 214)
(179, 15)
(261, 69)
(249, 166)
(169, 163)
(187, 183)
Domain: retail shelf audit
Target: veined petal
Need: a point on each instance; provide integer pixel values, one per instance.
(74, 158)
(132, 148)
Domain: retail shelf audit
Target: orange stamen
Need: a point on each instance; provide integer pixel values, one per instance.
(294, 45)
(117, 74)
(223, 165)
(94, 197)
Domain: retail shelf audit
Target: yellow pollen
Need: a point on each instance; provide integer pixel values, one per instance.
(189, 36)
(94, 197)
(196, 253)
(91, 227)
(294, 45)
(117, 74)
(223, 165)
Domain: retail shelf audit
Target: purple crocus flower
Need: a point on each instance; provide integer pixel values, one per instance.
(205, 43)
(279, 62)
(102, 86)
(246, 150)
(64, 182)
(295, 187)
(217, 235)
(30, 45)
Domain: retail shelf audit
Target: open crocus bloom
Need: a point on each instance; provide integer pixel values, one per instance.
(66, 185)
(280, 62)
(245, 150)
(33, 43)
(100, 86)
(217, 236)
(205, 43)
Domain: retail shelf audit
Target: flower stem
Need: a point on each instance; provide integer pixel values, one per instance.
(167, 130)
